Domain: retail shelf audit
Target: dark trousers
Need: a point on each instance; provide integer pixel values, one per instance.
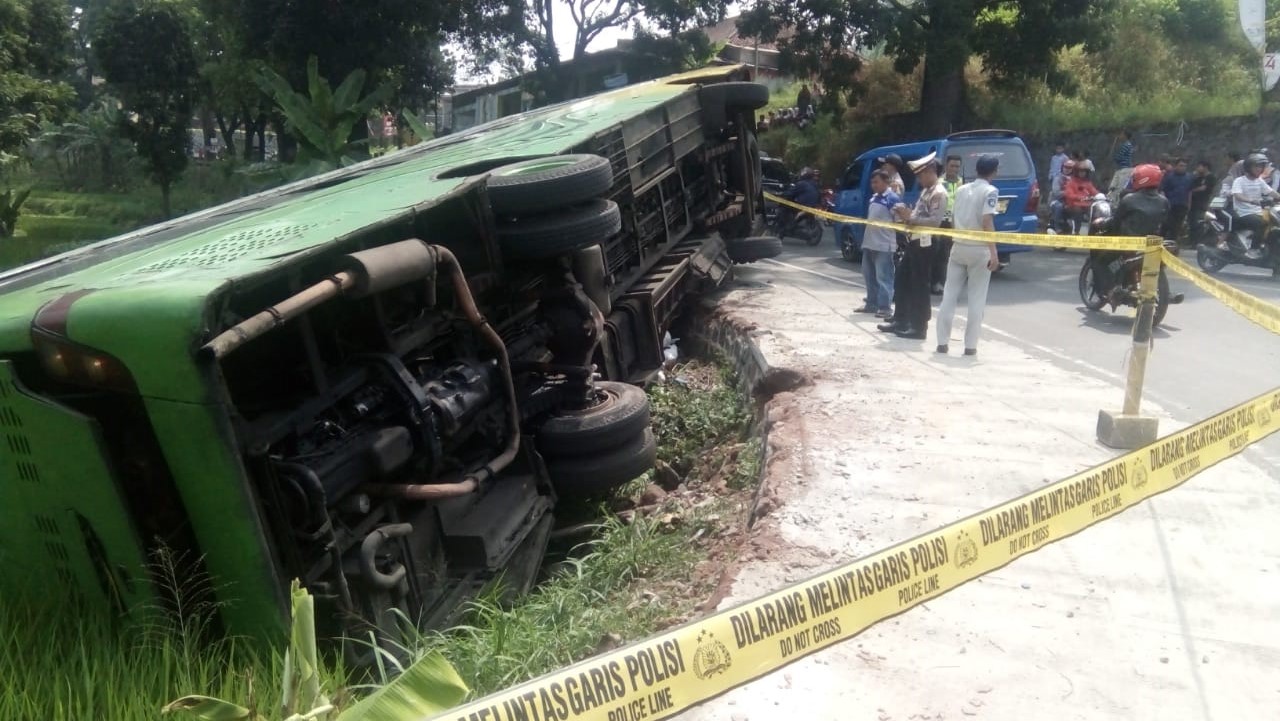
(941, 254)
(1196, 224)
(911, 287)
(1253, 223)
(1173, 221)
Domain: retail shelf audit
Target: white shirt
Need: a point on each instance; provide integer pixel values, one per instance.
(1253, 190)
(973, 202)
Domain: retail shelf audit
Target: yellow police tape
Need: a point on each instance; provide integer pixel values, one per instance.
(1086, 242)
(661, 676)
(1255, 309)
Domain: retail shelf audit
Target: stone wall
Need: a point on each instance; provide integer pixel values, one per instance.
(1210, 139)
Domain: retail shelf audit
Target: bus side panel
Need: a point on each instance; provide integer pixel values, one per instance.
(65, 534)
(199, 447)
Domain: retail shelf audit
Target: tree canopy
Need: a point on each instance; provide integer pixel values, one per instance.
(1015, 40)
(145, 50)
(35, 52)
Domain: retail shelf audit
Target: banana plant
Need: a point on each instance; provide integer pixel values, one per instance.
(420, 129)
(10, 205)
(323, 118)
(428, 686)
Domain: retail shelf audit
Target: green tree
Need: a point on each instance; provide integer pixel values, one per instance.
(146, 52)
(323, 119)
(35, 51)
(530, 38)
(1015, 40)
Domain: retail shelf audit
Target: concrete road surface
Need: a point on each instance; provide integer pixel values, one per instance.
(1168, 610)
(1206, 358)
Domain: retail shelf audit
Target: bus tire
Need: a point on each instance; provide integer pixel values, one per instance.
(591, 475)
(621, 413)
(749, 250)
(548, 236)
(545, 184)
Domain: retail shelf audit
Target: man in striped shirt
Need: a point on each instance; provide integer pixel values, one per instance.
(1124, 167)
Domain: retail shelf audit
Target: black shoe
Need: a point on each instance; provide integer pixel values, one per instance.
(971, 351)
(889, 327)
(943, 349)
(910, 333)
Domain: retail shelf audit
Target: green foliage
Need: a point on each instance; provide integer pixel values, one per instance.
(427, 687)
(146, 52)
(570, 614)
(323, 119)
(689, 416)
(420, 129)
(10, 205)
(1017, 41)
(87, 151)
(35, 44)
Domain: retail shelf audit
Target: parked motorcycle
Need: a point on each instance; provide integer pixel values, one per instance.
(785, 222)
(1227, 246)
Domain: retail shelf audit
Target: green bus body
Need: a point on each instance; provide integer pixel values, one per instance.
(121, 439)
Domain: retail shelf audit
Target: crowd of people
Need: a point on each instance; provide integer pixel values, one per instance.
(1249, 180)
(902, 270)
(802, 115)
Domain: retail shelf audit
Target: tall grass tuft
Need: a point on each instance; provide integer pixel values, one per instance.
(590, 603)
(55, 664)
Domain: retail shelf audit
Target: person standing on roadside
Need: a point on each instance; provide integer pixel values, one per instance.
(1204, 186)
(913, 311)
(972, 262)
(892, 164)
(1055, 163)
(1176, 186)
(951, 182)
(878, 245)
(1124, 167)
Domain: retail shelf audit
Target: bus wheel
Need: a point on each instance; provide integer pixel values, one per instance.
(620, 413)
(589, 475)
(550, 183)
(547, 236)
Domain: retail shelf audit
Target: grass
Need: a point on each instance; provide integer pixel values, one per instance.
(623, 586)
(697, 409)
(631, 579)
(55, 220)
(56, 664)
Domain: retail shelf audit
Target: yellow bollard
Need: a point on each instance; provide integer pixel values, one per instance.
(1128, 429)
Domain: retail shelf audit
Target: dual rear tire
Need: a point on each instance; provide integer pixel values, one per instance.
(551, 206)
(596, 449)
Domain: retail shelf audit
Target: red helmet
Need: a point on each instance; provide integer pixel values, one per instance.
(1147, 176)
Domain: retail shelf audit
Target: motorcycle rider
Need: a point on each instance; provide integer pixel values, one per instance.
(1142, 212)
(1056, 205)
(1077, 194)
(1248, 193)
(804, 192)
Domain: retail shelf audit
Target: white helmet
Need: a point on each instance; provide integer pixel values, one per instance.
(1085, 165)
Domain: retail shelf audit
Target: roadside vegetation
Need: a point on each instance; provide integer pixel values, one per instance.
(633, 564)
(1151, 61)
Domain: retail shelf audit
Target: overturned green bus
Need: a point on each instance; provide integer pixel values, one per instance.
(379, 381)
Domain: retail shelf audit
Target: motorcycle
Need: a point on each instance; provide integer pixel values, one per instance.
(1227, 246)
(828, 204)
(784, 222)
(1113, 277)
(1093, 221)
